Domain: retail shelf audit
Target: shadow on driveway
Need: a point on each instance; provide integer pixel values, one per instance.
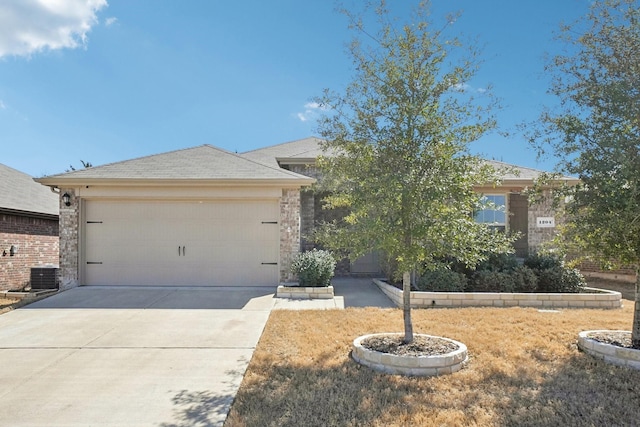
(129, 297)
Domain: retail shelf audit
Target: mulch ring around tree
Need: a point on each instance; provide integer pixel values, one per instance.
(617, 338)
(420, 346)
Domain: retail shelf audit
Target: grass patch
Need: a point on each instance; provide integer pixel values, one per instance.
(524, 369)
(6, 302)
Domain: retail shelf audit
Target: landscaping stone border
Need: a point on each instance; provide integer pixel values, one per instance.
(24, 298)
(598, 298)
(610, 353)
(299, 292)
(27, 295)
(425, 366)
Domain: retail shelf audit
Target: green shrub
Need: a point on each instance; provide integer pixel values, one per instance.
(501, 273)
(553, 275)
(560, 279)
(314, 267)
(491, 281)
(389, 267)
(524, 279)
(498, 262)
(540, 261)
(442, 280)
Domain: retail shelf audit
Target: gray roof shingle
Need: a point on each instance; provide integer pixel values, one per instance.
(309, 148)
(19, 192)
(205, 163)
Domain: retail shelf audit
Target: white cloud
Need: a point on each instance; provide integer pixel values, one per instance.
(460, 87)
(110, 21)
(465, 87)
(28, 26)
(3, 106)
(311, 111)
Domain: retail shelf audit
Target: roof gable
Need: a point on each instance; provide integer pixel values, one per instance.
(19, 192)
(307, 149)
(202, 163)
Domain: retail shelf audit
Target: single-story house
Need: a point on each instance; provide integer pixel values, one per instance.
(205, 216)
(28, 228)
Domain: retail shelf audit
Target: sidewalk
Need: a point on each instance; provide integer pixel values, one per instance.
(349, 292)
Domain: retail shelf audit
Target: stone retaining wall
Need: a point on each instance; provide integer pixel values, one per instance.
(615, 355)
(598, 299)
(298, 292)
(427, 366)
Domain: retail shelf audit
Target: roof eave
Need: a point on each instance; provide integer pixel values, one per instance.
(30, 214)
(296, 160)
(527, 182)
(178, 182)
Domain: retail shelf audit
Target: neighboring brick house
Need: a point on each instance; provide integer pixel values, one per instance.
(28, 227)
(536, 222)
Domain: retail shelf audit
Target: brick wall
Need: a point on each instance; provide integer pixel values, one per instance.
(289, 231)
(36, 242)
(594, 267)
(69, 223)
(307, 219)
(311, 213)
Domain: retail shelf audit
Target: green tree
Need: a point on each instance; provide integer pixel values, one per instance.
(398, 138)
(595, 132)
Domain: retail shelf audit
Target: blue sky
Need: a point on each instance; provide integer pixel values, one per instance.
(87, 80)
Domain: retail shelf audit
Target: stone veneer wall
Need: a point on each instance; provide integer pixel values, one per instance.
(69, 235)
(36, 243)
(537, 236)
(289, 231)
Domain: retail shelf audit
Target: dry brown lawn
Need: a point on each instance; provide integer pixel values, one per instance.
(524, 369)
(7, 302)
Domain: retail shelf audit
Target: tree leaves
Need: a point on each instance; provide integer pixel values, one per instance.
(399, 137)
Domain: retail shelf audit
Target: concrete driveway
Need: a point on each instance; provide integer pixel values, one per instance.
(105, 356)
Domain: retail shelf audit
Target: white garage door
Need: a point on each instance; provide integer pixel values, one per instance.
(222, 243)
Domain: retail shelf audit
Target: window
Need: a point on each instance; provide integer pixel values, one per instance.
(494, 212)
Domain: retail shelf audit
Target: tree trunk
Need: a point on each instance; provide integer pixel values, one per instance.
(635, 332)
(406, 307)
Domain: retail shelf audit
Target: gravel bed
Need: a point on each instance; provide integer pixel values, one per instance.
(619, 339)
(421, 345)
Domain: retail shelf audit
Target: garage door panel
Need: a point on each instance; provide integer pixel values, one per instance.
(181, 243)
